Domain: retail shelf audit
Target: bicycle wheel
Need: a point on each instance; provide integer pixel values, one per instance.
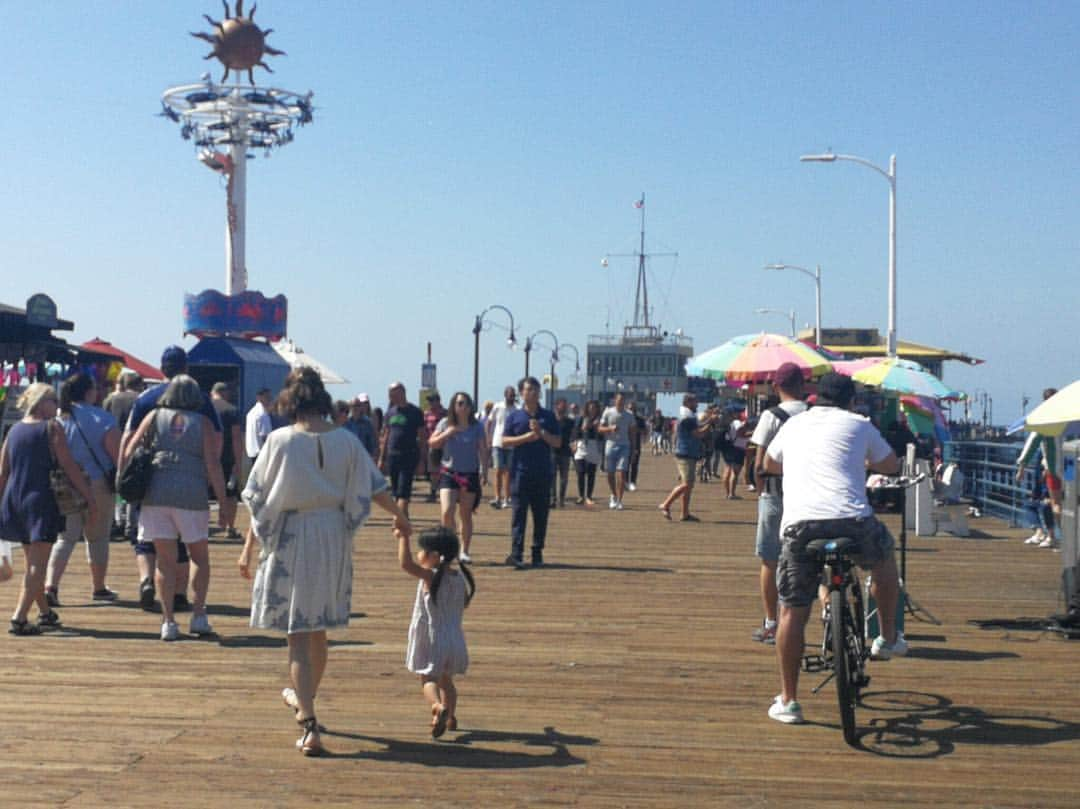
(841, 625)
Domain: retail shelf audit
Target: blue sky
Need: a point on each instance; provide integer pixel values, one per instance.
(465, 154)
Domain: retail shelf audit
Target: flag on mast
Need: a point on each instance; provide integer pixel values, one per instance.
(640, 203)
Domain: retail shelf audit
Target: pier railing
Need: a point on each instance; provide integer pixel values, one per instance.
(989, 469)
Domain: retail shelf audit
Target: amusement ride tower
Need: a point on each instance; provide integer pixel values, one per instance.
(226, 122)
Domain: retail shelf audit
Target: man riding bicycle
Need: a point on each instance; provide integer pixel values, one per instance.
(823, 455)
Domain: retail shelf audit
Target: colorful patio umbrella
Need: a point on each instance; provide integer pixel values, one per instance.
(925, 417)
(754, 358)
(1054, 415)
(904, 376)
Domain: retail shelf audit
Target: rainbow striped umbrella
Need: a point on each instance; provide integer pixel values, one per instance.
(905, 377)
(754, 358)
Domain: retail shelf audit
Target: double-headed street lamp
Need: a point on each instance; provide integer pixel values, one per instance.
(478, 326)
(889, 175)
(789, 315)
(554, 350)
(816, 275)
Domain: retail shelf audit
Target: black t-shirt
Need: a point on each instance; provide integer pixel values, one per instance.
(402, 424)
(566, 434)
(229, 417)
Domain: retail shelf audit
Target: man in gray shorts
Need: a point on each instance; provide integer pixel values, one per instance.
(788, 384)
(617, 425)
(823, 455)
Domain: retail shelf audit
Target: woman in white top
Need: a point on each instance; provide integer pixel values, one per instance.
(311, 488)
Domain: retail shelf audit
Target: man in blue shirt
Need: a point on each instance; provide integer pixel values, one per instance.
(173, 362)
(532, 432)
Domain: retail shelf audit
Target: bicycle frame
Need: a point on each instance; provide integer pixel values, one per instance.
(843, 649)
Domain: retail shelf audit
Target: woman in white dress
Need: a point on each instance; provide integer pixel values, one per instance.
(309, 491)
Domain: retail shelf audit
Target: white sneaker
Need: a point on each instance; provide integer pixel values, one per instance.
(200, 625)
(1047, 543)
(618, 505)
(464, 557)
(505, 504)
(169, 630)
(789, 714)
(611, 502)
(880, 650)
(631, 487)
(1034, 539)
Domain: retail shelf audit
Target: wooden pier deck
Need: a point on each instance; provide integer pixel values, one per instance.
(621, 675)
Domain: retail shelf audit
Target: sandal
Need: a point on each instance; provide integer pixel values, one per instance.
(309, 744)
(23, 628)
(441, 715)
(288, 696)
(49, 620)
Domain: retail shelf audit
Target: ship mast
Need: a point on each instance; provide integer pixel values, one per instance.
(641, 327)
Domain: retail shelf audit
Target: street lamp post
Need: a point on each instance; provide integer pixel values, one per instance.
(816, 275)
(478, 326)
(529, 346)
(889, 175)
(789, 315)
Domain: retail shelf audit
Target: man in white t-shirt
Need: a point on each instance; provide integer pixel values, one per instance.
(788, 384)
(823, 455)
(257, 424)
(500, 455)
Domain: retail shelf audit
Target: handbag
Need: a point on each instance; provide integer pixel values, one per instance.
(134, 479)
(68, 499)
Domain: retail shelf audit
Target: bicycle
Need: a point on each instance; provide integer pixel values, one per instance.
(843, 650)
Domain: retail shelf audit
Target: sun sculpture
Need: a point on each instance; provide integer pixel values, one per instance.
(239, 44)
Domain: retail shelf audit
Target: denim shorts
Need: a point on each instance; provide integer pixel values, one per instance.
(501, 457)
(798, 572)
(770, 509)
(616, 457)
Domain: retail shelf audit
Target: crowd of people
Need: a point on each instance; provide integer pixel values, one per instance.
(309, 469)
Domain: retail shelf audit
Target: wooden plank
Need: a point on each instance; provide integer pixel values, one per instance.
(623, 674)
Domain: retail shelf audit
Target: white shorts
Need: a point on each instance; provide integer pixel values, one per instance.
(165, 522)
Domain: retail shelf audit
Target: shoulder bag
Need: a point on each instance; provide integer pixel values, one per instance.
(68, 499)
(134, 478)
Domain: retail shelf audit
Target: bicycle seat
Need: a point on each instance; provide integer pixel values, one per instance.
(844, 545)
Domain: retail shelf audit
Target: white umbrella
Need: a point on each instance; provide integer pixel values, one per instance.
(297, 358)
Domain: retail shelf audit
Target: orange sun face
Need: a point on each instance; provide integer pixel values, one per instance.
(238, 42)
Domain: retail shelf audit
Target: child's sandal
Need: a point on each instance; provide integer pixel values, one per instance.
(451, 723)
(49, 620)
(439, 720)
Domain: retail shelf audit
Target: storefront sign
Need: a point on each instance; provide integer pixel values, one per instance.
(41, 311)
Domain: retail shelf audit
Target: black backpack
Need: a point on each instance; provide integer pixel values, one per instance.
(772, 484)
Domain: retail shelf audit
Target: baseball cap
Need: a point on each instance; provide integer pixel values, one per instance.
(788, 375)
(363, 398)
(836, 389)
(173, 360)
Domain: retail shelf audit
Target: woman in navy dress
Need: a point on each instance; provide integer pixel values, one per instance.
(28, 512)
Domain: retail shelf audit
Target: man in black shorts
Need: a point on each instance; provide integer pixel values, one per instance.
(399, 449)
